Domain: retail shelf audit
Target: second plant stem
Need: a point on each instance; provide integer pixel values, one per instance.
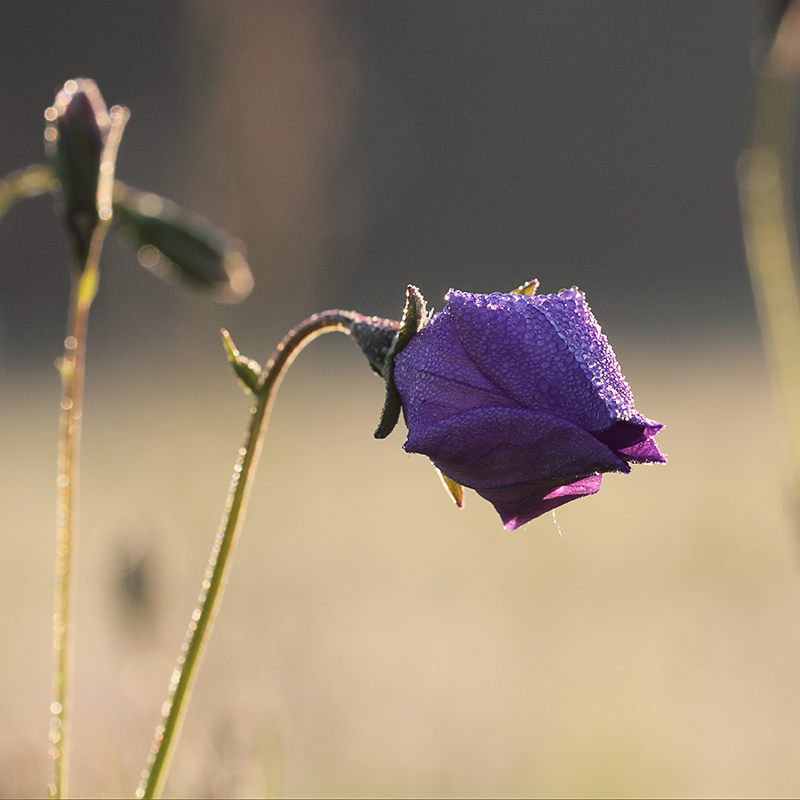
(72, 368)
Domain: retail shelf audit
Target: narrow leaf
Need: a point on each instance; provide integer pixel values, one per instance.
(177, 244)
(247, 370)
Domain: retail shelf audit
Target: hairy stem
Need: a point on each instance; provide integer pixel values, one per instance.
(215, 577)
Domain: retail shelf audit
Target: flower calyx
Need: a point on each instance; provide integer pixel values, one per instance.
(414, 318)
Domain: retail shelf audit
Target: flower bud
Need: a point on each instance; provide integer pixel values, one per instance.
(77, 129)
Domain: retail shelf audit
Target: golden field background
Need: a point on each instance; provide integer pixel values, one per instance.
(376, 641)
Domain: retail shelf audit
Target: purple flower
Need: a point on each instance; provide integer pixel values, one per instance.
(520, 398)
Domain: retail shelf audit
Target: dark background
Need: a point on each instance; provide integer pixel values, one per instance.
(359, 146)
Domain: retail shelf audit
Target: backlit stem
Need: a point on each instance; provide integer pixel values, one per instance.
(71, 367)
(215, 577)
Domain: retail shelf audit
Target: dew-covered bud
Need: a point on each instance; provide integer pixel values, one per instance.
(78, 125)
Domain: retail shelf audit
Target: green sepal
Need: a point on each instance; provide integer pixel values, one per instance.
(374, 336)
(182, 245)
(529, 288)
(455, 490)
(414, 318)
(247, 370)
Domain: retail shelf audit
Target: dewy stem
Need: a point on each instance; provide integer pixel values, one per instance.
(174, 708)
(72, 368)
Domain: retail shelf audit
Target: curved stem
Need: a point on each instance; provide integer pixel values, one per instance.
(174, 708)
(72, 369)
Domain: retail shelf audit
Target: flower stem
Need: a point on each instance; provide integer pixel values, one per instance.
(215, 577)
(72, 368)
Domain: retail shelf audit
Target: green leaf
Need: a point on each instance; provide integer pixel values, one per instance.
(177, 244)
(29, 182)
(247, 370)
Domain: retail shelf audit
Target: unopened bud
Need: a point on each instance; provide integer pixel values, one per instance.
(77, 129)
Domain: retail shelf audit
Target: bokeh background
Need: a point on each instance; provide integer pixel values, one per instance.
(375, 641)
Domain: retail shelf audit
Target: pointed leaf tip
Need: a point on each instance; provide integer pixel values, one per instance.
(455, 490)
(528, 288)
(247, 370)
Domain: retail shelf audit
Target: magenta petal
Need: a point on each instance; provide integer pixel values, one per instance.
(524, 502)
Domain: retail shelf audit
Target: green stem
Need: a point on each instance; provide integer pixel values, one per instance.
(183, 676)
(768, 218)
(72, 369)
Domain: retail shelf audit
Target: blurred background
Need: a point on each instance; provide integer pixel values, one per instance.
(375, 641)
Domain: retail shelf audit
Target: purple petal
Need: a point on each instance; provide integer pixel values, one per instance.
(631, 440)
(644, 452)
(513, 343)
(437, 379)
(494, 447)
(522, 503)
(573, 319)
(522, 399)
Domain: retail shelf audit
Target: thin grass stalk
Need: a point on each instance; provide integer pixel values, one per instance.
(770, 231)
